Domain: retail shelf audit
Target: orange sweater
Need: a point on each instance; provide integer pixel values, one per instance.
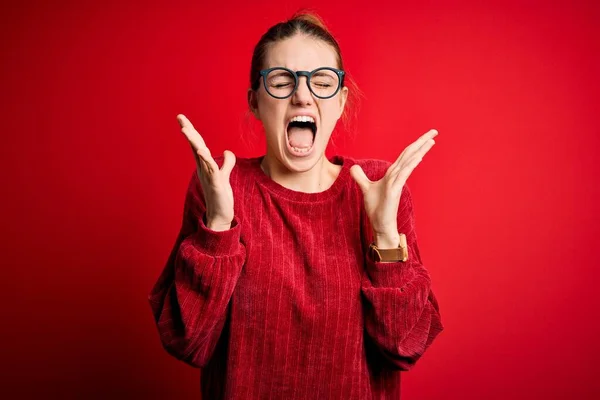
(288, 303)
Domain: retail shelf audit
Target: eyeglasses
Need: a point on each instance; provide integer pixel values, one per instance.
(281, 82)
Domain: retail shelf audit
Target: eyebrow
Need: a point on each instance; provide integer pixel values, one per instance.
(278, 74)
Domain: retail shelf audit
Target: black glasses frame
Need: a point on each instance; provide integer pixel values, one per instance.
(308, 75)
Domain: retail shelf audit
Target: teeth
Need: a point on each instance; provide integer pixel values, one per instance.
(300, 150)
(303, 118)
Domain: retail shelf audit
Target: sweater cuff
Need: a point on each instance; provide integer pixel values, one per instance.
(389, 274)
(218, 243)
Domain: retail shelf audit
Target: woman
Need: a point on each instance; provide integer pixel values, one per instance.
(295, 276)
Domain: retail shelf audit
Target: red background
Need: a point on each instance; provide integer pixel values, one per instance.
(95, 170)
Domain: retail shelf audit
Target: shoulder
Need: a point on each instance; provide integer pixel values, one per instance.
(242, 168)
(375, 169)
(241, 163)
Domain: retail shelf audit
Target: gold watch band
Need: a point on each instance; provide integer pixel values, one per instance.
(390, 255)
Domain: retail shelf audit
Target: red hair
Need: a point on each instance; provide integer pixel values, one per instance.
(310, 24)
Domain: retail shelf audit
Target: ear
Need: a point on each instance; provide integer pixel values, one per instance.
(253, 103)
(343, 98)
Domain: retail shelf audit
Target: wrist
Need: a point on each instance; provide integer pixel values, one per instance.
(386, 250)
(219, 227)
(387, 240)
(216, 225)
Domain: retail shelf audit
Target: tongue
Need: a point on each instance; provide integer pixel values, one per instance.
(300, 137)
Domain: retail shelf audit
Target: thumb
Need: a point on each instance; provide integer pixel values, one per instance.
(361, 179)
(228, 162)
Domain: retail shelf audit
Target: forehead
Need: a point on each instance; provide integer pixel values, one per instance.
(301, 52)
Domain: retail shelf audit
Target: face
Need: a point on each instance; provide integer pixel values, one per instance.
(294, 145)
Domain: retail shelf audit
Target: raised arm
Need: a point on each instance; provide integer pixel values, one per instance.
(401, 312)
(189, 301)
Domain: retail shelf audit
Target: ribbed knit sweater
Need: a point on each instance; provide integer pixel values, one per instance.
(288, 304)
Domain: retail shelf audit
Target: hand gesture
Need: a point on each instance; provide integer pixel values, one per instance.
(382, 197)
(218, 194)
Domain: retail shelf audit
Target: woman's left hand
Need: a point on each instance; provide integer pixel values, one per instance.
(382, 197)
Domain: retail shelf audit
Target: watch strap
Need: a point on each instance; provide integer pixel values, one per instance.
(391, 255)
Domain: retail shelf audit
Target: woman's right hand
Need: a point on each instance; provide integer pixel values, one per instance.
(218, 194)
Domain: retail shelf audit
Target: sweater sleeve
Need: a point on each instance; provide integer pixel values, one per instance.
(402, 315)
(189, 301)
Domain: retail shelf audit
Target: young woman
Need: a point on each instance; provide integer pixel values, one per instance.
(295, 276)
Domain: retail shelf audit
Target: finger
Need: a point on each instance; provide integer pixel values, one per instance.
(412, 163)
(205, 156)
(406, 157)
(184, 122)
(190, 132)
(420, 152)
(228, 162)
(361, 179)
(202, 153)
(201, 164)
(416, 144)
(194, 138)
(403, 176)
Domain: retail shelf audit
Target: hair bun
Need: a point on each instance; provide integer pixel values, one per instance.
(310, 17)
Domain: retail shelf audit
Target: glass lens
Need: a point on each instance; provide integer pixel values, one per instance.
(280, 83)
(324, 82)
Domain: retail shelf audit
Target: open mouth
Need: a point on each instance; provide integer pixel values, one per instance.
(301, 132)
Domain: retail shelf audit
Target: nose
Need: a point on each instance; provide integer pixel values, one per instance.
(302, 95)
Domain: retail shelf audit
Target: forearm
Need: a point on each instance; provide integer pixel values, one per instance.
(190, 300)
(401, 314)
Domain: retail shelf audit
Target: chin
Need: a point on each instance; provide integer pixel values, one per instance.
(301, 164)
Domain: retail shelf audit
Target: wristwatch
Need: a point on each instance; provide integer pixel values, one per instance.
(390, 255)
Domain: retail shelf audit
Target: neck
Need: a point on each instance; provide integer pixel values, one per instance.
(317, 179)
